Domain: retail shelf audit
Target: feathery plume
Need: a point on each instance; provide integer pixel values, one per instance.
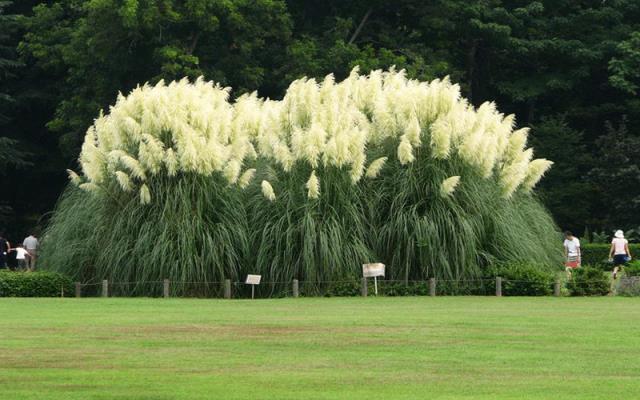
(267, 191)
(246, 178)
(449, 185)
(73, 177)
(313, 186)
(537, 169)
(374, 168)
(124, 181)
(145, 196)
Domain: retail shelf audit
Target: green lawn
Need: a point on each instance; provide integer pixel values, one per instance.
(348, 348)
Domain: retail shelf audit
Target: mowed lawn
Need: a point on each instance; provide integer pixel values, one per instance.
(320, 348)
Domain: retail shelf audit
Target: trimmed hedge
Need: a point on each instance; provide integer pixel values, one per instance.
(589, 281)
(34, 284)
(523, 279)
(517, 280)
(597, 254)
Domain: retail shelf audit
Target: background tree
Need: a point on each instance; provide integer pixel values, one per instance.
(563, 67)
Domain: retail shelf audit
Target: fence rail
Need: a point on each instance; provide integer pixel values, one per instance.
(228, 289)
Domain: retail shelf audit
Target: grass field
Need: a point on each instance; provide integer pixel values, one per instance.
(347, 348)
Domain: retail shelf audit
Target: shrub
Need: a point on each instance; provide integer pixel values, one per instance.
(34, 284)
(633, 269)
(343, 289)
(588, 281)
(523, 279)
(393, 289)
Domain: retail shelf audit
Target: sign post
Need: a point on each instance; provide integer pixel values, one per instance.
(373, 271)
(253, 280)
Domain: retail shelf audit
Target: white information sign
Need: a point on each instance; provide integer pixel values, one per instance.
(253, 279)
(372, 270)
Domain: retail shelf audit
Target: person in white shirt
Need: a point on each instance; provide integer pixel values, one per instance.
(572, 253)
(21, 256)
(619, 252)
(31, 244)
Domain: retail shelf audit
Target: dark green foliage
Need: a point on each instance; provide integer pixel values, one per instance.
(564, 188)
(589, 281)
(343, 289)
(523, 279)
(563, 67)
(35, 284)
(625, 67)
(632, 269)
(616, 174)
(596, 254)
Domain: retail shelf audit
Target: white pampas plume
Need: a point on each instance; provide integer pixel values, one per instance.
(405, 151)
(448, 186)
(171, 162)
(513, 174)
(267, 191)
(232, 171)
(517, 143)
(73, 177)
(535, 172)
(413, 131)
(313, 186)
(134, 166)
(374, 168)
(441, 138)
(124, 181)
(89, 187)
(145, 196)
(246, 178)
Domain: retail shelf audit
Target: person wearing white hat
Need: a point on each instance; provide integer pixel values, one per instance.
(619, 252)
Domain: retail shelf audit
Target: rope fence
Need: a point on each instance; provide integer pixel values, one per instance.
(228, 289)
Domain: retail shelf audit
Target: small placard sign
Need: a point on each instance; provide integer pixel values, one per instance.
(372, 270)
(253, 279)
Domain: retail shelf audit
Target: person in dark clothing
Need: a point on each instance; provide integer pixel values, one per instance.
(5, 247)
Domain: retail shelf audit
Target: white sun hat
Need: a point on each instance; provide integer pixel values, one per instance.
(619, 234)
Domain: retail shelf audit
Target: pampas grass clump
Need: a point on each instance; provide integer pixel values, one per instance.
(177, 181)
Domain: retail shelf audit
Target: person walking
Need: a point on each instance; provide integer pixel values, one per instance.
(619, 252)
(22, 257)
(5, 248)
(572, 253)
(31, 244)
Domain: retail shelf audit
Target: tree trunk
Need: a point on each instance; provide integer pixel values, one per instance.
(359, 28)
(471, 66)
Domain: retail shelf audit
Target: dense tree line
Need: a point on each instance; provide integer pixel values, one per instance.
(569, 69)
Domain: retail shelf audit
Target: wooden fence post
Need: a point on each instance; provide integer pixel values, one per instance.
(556, 288)
(227, 288)
(364, 287)
(432, 287)
(165, 288)
(498, 286)
(296, 288)
(78, 289)
(105, 288)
